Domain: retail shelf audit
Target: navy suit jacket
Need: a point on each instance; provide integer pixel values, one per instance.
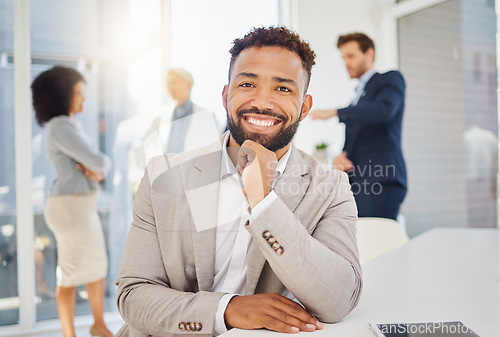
(373, 131)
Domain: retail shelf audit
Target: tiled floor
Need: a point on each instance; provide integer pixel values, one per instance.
(47, 323)
(80, 332)
(82, 327)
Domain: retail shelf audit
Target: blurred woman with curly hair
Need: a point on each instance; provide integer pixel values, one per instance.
(70, 211)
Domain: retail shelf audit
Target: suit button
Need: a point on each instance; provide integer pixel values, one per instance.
(188, 326)
(182, 326)
(280, 250)
(193, 326)
(198, 326)
(271, 240)
(266, 235)
(275, 245)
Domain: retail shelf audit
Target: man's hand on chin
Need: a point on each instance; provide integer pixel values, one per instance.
(257, 166)
(270, 311)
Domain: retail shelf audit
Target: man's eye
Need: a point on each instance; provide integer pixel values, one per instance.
(284, 89)
(246, 85)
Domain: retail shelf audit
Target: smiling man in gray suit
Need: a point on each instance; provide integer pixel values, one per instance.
(250, 232)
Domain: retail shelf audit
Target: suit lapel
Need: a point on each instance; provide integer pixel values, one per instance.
(294, 183)
(368, 87)
(203, 197)
(291, 188)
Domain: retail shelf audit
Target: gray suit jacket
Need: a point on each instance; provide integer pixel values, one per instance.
(167, 268)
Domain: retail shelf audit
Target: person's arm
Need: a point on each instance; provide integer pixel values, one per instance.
(390, 94)
(342, 163)
(91, 175)
(138, 147)
(321, 269)
(323, 114)
(70, 142)
(145, 299)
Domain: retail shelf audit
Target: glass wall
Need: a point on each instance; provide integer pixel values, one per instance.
(73, 34)
(119, 47)
(68, 33)
(448, 57)
(9, 301)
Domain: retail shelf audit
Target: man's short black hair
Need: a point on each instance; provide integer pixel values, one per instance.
(363, 40)
(52, 92)
(275, 37)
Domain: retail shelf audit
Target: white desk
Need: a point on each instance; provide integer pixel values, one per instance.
(448, 274)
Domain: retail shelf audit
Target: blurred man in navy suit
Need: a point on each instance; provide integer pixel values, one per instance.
(372, 153)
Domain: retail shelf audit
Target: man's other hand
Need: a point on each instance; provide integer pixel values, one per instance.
(270, 311)
(323, 114)
(341, 162)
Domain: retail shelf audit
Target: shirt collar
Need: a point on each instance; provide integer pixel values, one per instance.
(227, 166)
(366, 76)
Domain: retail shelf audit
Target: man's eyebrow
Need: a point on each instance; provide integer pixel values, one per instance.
(243, 74)
(275, 78)
(285, 80)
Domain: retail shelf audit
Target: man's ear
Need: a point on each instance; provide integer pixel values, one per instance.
(224, 96)
(370, 52)
(306, 106)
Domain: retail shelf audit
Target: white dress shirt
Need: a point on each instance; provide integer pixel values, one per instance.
(360, 89)
(232, 239)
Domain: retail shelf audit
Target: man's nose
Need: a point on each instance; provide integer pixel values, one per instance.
(263, 100)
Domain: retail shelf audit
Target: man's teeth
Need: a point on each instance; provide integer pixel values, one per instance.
(259, 122)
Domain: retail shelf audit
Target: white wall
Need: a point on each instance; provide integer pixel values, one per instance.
(320, 23)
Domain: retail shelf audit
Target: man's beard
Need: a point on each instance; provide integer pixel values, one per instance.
(272, 142)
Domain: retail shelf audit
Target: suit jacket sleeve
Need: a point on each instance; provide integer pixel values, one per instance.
(320, 264)
(145, 299)
(382, 102)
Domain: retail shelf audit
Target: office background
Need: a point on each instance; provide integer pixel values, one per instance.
(447, 51)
